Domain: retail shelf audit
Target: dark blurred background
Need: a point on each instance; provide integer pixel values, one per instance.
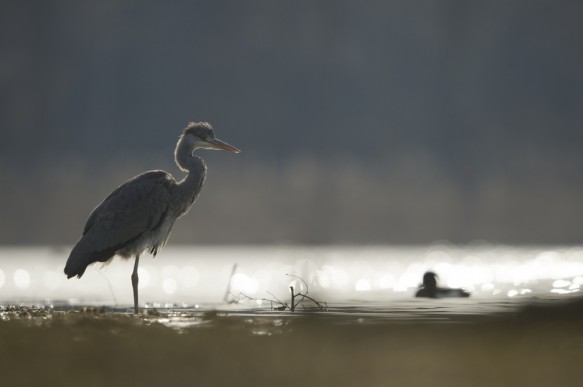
(359, 121)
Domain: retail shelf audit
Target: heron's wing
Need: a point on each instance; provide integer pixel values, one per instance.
(132, 209)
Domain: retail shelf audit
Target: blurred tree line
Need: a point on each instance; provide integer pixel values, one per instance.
(360, 122)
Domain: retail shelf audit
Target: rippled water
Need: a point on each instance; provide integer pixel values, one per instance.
(376, 282)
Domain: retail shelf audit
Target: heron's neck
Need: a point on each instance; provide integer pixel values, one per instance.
(183, 155)
(189, 187)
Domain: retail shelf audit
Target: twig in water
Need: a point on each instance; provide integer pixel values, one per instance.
(319, 304)
(229, 298)
(296, 299)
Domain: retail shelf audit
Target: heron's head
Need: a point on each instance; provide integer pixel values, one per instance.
(200, 135)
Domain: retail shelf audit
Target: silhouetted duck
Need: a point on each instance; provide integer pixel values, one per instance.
(429, 288)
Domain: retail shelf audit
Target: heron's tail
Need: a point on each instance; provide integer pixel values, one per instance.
(76, 264)
(81, 257)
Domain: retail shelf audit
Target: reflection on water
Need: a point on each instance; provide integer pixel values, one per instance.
(376, 276)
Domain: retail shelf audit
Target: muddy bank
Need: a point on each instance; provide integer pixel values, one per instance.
(96, 347)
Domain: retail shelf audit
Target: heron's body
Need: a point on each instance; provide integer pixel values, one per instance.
(138, 216)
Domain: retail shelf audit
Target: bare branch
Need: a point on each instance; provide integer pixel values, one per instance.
(276, 299)
(320, 305)
(228, 291)
(297, 299)
(301, 279)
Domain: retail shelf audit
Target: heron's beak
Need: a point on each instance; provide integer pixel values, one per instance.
(217, 144)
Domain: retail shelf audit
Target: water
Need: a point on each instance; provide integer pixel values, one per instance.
(376, 282)
(366, 335)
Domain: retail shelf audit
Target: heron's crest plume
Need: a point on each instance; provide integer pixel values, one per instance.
(199, 129)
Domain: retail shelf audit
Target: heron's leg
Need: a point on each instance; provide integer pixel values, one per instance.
(135, 281)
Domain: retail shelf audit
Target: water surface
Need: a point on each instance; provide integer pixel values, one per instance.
(373, 282)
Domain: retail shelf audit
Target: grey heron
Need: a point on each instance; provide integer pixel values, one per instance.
(138, 216)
